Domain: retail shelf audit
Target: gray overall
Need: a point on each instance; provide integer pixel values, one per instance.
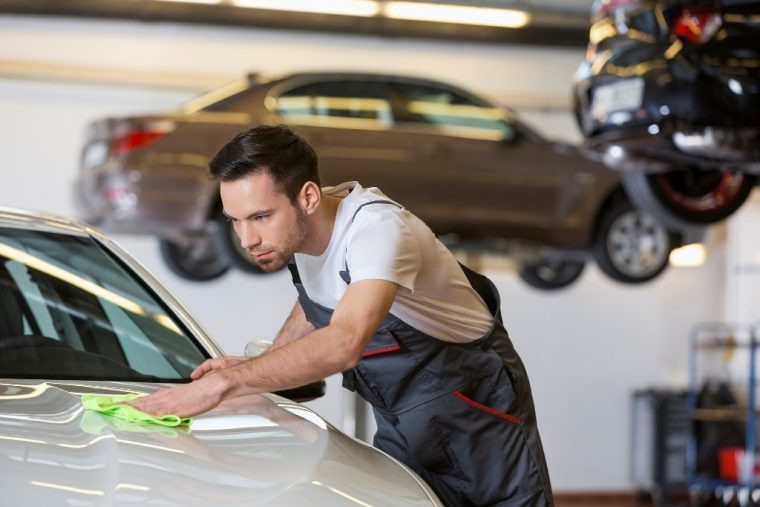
(460, 415)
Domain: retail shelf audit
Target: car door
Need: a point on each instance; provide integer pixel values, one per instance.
(349, 121)
(478, 173)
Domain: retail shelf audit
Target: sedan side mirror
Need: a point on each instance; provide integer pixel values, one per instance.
(308, 392)
(256, 347)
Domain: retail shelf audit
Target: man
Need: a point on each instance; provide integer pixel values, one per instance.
(383, 301)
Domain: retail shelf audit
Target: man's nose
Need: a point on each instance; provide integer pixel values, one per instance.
(249, 238)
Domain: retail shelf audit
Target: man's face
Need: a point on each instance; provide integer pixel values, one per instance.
(269, 226)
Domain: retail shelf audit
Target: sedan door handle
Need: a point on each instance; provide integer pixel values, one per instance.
(316, 138)
(437, 151)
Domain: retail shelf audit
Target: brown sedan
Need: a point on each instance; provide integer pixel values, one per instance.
(465, 165)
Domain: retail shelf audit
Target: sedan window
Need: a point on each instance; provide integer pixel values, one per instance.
(453, 113)
(337, 103)
(68, 309)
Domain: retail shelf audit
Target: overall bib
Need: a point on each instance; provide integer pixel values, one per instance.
(460, 415)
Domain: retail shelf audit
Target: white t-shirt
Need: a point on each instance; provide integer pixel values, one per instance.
(386, 242)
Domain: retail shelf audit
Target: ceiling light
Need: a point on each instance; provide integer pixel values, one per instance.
(688, 256)
(363, 8)
(194, 1)
(459, 14)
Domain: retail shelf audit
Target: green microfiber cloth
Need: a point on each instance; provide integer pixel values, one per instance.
(95, 423)
(109, 405)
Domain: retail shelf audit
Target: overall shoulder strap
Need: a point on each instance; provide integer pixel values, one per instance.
(485, 289)
(345, 275)
(376, 201)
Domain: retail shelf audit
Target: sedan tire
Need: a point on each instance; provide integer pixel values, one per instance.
(199, 260)
(631, 245)
(688, 197)
(550, 273)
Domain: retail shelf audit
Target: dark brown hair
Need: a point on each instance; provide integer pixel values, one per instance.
(285, 155)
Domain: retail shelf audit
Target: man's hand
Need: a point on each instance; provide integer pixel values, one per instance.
(328, 350)
(185, 400)
(212, 365)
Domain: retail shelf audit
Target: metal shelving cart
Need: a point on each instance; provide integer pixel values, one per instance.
(659, 436)
(721, 458)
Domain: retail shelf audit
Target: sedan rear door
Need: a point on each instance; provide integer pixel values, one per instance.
(477, 173)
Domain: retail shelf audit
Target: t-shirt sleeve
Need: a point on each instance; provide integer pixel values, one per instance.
(382, 247)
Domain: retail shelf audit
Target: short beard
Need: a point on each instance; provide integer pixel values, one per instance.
(293, 242)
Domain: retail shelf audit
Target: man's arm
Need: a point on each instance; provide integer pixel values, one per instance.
(296, 326)
(331, 349)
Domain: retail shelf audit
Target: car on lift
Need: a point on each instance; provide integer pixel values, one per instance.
(669, 94)
(78, 317)
(467, 166)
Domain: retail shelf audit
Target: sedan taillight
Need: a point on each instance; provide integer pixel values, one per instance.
(697, 24)
(132, 140)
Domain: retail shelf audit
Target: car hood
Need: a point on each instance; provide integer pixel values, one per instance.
(253, 450)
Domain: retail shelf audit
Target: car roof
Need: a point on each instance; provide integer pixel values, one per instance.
(341, 74)
(272, 79)
(42, 221)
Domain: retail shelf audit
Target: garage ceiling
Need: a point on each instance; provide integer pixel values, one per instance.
(549, 22)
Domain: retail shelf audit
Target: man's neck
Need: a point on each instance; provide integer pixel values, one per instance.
(321, 225)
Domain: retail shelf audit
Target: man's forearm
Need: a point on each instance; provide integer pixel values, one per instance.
(313, 357)
(296, 326)
(319, 354)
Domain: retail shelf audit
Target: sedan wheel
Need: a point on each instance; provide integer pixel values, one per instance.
(689, 196)
(198, 260)
(632, 246)
(551, 273)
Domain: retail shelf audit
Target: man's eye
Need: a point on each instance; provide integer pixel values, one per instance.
(260, 218)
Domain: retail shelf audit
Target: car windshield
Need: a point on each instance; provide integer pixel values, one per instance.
(70, 310)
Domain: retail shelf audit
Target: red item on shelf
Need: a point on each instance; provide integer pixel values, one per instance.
(730, 461)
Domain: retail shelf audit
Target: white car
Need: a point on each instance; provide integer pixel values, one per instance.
(77, 316)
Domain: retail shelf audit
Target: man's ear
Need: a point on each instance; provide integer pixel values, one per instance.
(310, 197)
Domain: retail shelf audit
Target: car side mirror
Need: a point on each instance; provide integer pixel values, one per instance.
(510, 139)
(309, 392)
(510, 133)
(255, 348)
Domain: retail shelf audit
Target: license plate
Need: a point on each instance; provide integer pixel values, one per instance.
(95, 154)
(622, 96)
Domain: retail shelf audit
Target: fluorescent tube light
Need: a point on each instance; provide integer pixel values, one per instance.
(458, 14)
(364, 8)
(688, 256)
(208, 2)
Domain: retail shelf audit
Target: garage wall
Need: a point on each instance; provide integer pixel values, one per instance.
(586, 347)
